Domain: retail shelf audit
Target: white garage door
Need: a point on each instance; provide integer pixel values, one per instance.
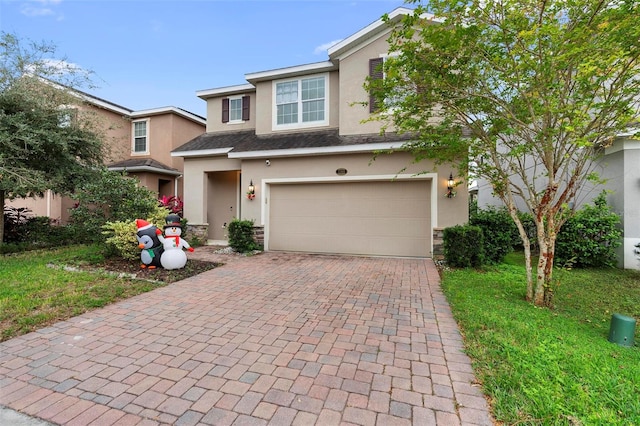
(372, 218)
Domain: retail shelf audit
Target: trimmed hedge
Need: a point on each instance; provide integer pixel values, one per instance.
(498, 230)
(463, 246)
(241, 236)
(590, 238)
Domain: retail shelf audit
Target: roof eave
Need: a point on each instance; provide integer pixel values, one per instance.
(149, 169)
(169, 110)
(367, 32)
(316, 67)
(225, 91)
(202, 152)
(325, 150)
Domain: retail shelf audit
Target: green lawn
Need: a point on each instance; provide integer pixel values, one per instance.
(33, 294)
(541, 366)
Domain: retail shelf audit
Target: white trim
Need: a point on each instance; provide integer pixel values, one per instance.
(300, 124)
(292, 152)
(201, 152)
(621, 144)
(291, 72)
(265, 188)
(146, 137)
(225, 91)
(371, 33)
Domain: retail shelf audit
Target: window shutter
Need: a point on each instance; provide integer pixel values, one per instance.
(225, 110)
(375, 73)
(245, 107)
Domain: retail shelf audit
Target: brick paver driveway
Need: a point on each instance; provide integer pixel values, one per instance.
(276, 338)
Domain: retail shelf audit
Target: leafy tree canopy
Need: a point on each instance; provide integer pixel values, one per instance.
(527, 92)
(47, 140)
(44, 142)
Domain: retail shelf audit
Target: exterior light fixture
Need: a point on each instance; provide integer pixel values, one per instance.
(450, 183)
(251, 193)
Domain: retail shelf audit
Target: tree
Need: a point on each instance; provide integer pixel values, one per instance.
(47, 141)
(528, 92)
(110, 197)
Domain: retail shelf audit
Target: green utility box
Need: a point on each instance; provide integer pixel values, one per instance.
(622, 330)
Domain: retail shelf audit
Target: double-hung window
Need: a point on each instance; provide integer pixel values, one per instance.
(141, 137)
(235, 109)
(301, 102)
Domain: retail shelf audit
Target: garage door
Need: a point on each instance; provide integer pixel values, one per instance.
(390, 218)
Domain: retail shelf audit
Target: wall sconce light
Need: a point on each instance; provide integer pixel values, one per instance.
(251, 193)
(450, 183)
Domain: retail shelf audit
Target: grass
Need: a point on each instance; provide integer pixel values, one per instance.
(541, 366)
(35, 291)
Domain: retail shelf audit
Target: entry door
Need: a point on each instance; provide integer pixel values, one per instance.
(222, 205)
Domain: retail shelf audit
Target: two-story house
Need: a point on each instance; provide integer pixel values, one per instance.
(293, 150)
(138, 143)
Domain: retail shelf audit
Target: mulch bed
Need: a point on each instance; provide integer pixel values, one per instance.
(122, 266)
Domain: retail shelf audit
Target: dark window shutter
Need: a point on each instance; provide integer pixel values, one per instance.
(225, 110)
(375, 73)
(245, 107)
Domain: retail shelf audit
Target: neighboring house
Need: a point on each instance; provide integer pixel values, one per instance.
(139, 143)
(618, 166)
(299, 138)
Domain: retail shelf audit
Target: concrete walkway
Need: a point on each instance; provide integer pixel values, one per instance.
(277, 338)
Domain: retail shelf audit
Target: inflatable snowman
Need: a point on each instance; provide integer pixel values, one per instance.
(173, 257)
(149, 243)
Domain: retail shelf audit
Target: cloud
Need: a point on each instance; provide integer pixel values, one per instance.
(38, 8)
(324, 47)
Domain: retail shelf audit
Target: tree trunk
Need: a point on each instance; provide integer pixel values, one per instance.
(543, 293)
(526, 243)
(2, 195)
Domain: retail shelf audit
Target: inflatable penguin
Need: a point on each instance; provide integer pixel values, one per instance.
(173, 257)
(149, 243)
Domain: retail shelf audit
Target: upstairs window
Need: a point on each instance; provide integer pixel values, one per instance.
(235, 109)
(376, 72)
(301, 102)
(67, 116)
(140, 137)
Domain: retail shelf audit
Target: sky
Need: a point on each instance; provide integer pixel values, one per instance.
(149, 54)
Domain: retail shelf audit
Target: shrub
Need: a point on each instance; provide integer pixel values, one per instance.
(174, 204)
(463, 246)
(121, 236)
(497, 229)
(110, 197)
(590, 237)
(241, 236)
(15, 219)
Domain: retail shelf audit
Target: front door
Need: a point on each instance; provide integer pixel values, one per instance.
(222, 205)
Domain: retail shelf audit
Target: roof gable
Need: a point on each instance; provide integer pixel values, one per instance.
(366, 34)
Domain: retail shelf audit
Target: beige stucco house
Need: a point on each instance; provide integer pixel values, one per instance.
(138, 143)
(300, 137)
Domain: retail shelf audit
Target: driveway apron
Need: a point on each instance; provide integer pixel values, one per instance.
(276, 338)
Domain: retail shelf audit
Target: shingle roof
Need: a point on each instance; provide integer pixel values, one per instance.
(143, 164)
(246, 141)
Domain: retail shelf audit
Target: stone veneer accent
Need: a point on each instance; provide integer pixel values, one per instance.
(198, 231)
(258, 235)
(438, 247)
